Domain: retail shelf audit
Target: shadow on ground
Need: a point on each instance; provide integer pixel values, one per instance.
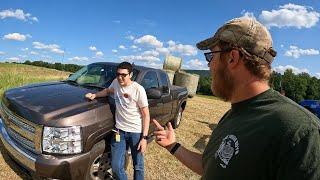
(203, 141)
(19, 170)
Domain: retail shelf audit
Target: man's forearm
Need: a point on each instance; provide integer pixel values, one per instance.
(145, 121)
(105, 92)
(190, 159)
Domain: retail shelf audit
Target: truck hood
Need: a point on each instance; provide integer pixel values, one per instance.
(43, 102)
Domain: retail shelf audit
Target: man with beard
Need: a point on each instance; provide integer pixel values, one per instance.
(264, 135)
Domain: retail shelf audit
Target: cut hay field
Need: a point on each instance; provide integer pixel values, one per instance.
(201, 115)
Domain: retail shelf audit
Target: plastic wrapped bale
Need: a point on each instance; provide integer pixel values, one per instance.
(190, 81)
(170, 75)
(172, 63)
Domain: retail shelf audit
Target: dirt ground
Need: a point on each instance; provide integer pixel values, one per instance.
(199, 119)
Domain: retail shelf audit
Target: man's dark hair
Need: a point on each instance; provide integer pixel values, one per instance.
(125, 65)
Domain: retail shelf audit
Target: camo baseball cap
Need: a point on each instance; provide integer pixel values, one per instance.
(245, 33)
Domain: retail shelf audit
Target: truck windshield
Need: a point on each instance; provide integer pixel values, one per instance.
(98, 75)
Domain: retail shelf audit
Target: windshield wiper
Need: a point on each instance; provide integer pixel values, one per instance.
(92, 85)
(71, 81)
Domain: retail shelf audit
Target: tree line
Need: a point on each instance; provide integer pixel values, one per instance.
(58, 66)
(296, 87)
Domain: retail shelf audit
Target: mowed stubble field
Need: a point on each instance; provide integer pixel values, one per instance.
(200, 117)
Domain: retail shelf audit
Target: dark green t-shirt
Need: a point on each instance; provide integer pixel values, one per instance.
(265, 137)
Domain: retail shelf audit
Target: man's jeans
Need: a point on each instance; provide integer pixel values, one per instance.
(118, 151)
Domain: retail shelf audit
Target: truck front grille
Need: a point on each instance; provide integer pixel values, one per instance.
(22, 131)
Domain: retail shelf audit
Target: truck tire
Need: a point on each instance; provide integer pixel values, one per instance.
(100, 168)
(177, 120)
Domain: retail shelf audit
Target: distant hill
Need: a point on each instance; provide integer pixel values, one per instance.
(201, 73)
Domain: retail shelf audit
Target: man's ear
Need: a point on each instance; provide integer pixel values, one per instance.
(234, 58)
(131, 74)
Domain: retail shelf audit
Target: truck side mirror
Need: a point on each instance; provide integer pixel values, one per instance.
(153, 93)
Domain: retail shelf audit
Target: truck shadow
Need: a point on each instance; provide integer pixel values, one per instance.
(203, 141)
(20, 171)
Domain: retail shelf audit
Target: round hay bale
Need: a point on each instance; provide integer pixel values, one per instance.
(190, 81)
(172, 63)
(170, 75)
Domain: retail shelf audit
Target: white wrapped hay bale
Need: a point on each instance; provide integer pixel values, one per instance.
(170, 75)
(172, 63)
(190, 81)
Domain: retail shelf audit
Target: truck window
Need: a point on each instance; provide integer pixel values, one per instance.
(164, 82)
(163, 79)
(150, 80)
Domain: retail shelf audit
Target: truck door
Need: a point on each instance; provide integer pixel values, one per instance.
(166, 97)
(150, 80)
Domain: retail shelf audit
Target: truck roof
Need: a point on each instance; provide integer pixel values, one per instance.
(140, 68)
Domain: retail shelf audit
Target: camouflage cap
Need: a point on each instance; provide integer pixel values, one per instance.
(245, 33)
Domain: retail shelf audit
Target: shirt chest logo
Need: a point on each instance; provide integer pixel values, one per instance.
(228, 148)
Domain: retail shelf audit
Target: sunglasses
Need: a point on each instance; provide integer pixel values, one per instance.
(209, 55)
(123, 75)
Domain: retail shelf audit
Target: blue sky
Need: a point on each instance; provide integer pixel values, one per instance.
(145, 31)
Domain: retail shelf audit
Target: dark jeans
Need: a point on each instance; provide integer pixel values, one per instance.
(118, 151)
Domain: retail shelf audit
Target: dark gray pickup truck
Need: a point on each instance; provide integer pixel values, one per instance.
(53, 131)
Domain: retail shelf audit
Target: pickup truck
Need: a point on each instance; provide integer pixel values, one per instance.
(312, 105)
(54, 132)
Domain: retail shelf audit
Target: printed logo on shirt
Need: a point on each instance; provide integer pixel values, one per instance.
(227, 149)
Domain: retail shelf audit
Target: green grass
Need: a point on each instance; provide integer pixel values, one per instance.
(15, 75)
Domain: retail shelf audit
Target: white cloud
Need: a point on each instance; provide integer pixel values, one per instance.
(163, 51)
(13, 59)
(154, 65)
(149, 40)
(122, 47)
(171, 43)
(139, 58)
(18, 14)
(48, 47)
(186, 50)
(23, 56)
(295, 70)
(248, 14)
(150, 53)
(318, 75)
(133, 47)
(34, 53)
(99, 54)
(24, 49)
(92, 48)
(195, 64)
(130, 37)
(76, 58)
(116, 21)
(114, 51)
(16, 37)
(290, 15)
(2, 53)
(296, 52)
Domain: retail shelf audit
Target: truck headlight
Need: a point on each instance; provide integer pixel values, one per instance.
(62, 140)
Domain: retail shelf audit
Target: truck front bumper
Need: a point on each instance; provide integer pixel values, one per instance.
(49, 166)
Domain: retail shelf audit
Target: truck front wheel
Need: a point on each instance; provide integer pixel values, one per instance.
(101, 167)
(177, 120)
